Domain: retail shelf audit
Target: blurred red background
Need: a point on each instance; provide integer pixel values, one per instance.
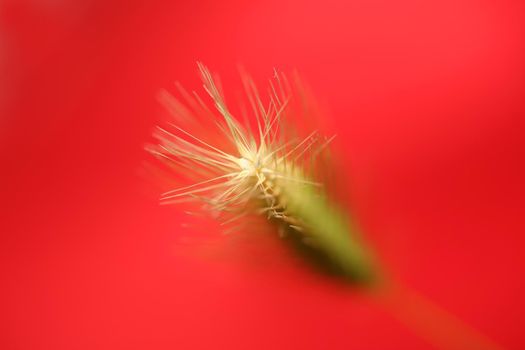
(428, 101)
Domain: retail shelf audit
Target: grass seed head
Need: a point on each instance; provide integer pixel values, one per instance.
(264, 169)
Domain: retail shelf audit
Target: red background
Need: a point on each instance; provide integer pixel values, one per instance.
(428, 101)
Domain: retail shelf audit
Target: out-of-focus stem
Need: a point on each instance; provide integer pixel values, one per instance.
(429, 321)
(328, 230)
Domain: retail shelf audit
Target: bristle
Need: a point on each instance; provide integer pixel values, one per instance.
(245, 175)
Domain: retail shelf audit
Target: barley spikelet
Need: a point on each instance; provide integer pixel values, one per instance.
(265, 169)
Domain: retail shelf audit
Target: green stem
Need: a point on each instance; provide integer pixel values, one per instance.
(329, 231)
